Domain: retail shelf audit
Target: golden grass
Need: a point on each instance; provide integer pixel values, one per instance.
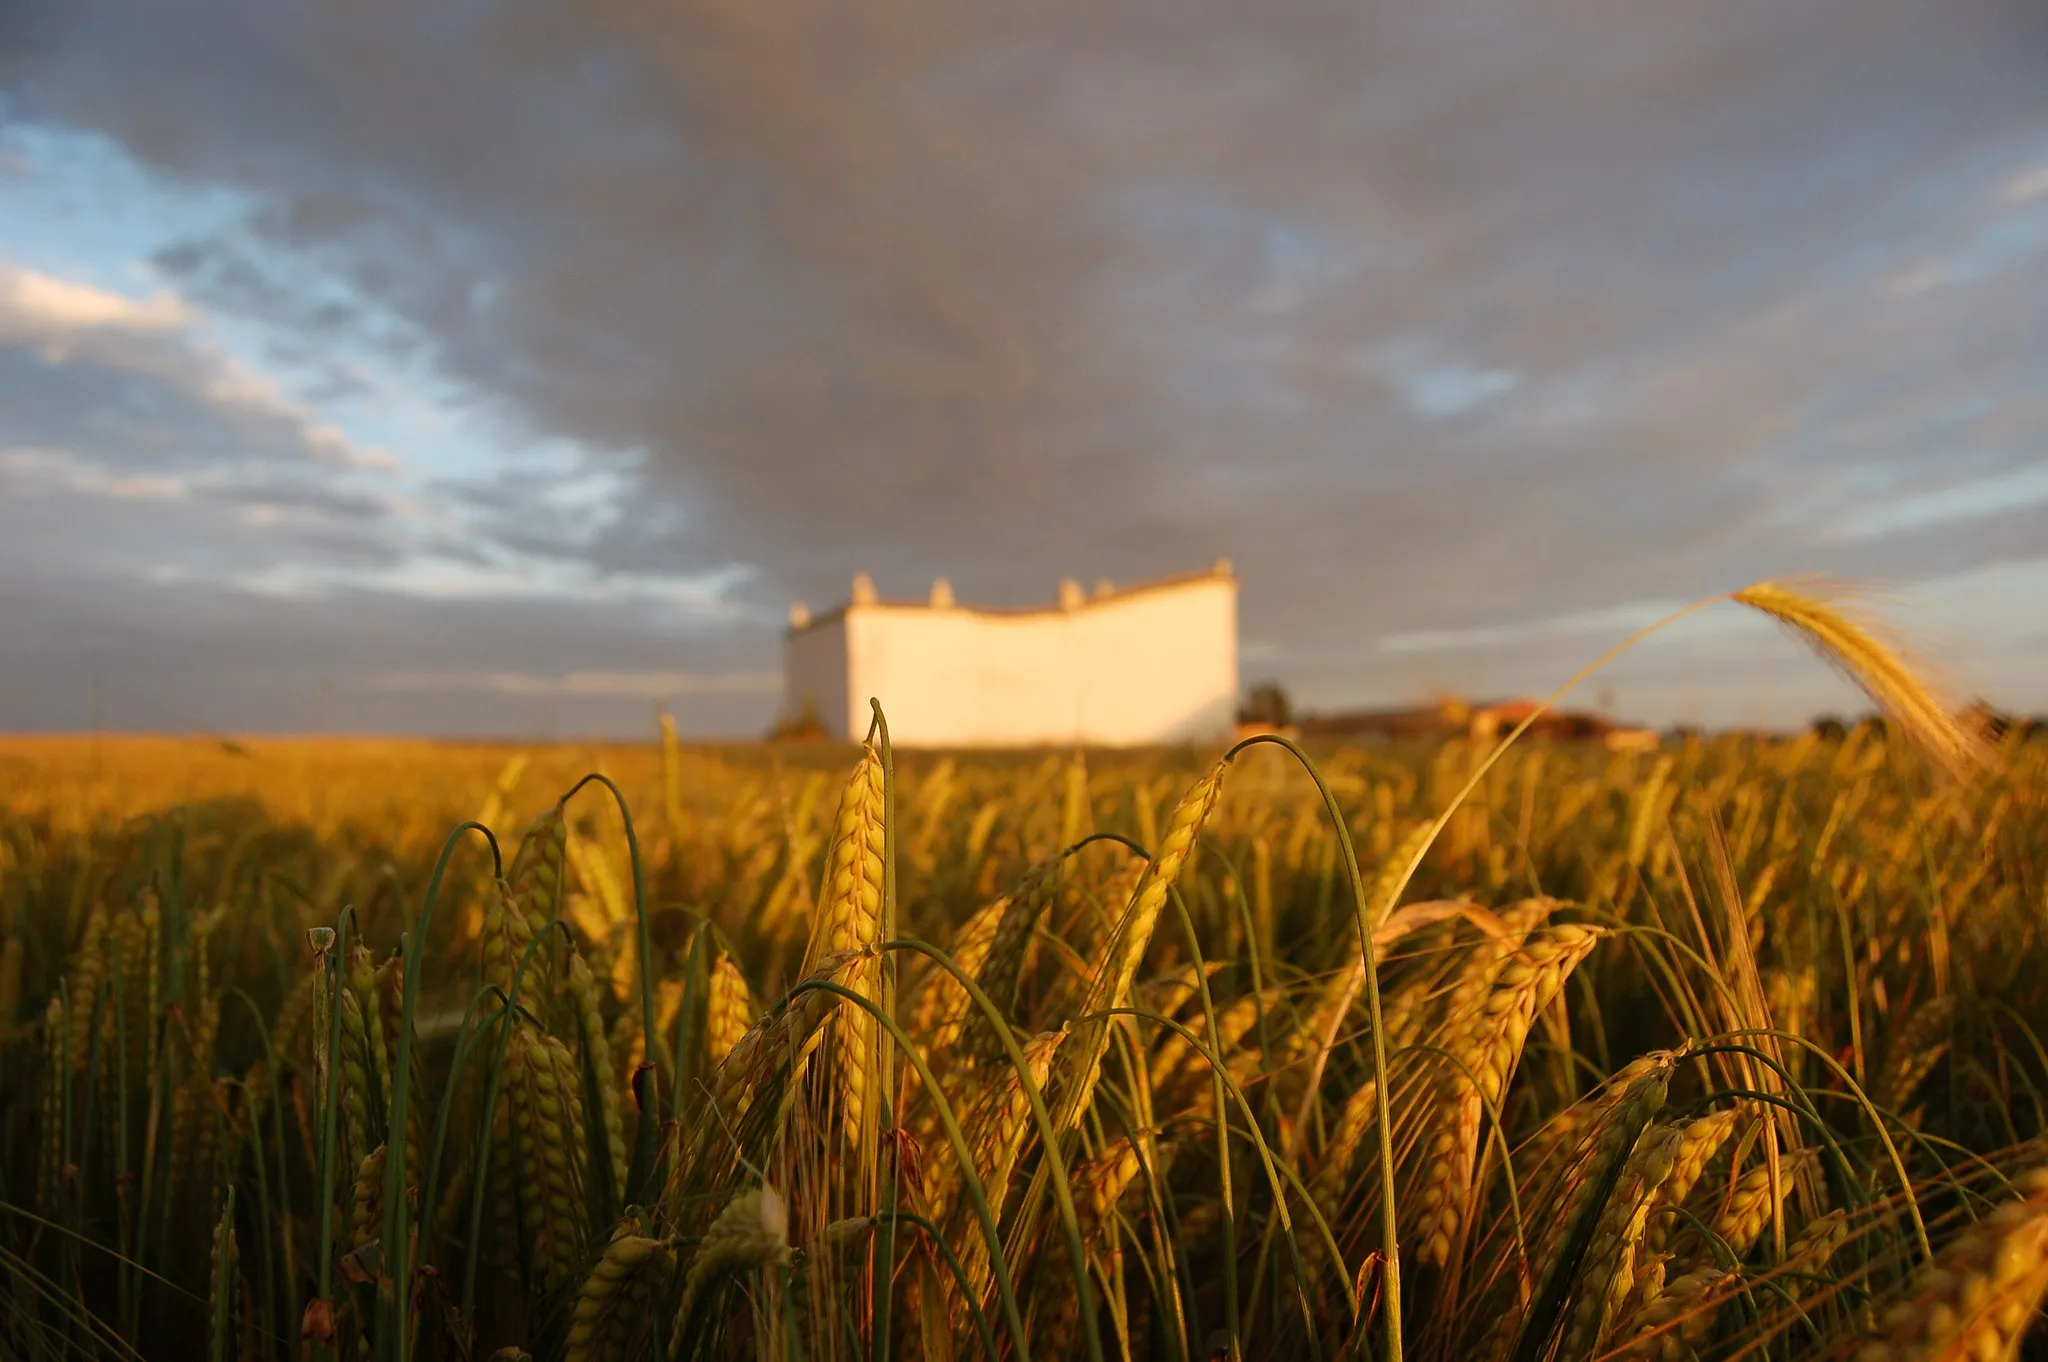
(1696, 1053)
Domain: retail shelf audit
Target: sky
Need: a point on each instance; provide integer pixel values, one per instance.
(508, 368)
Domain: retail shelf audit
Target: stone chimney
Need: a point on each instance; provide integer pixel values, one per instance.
(863, 590)
(1071, 597)
(1104, 587)
(942, 594)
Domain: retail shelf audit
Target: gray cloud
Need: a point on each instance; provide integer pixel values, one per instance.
(191, 655)
(134, 381)
(1435, 316)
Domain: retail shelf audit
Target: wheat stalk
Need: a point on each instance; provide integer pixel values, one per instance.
(849, 921)
(945, 1006)
(1081, 1063)
(1815, 1247)
(50, 1169)
(1702, 1139)
(613, 1306)
(548, 1140)
(751, 1232)
(996, 1128)
(1677, 1317)
(730, 1008)
(505, 935)
(224, 1262)
(12, 951)
(87, 973)
(1977, 1299)
(1609, 1275)
(1916, 1046)
(1753, 1201)
(587, 998)
(1354, 1121)
(1486, 1045)
(528, 900)
(366, 1200)
(1618, 1115)
(1896, 686)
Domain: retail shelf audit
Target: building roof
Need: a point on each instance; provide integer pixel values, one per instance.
(1072, 598)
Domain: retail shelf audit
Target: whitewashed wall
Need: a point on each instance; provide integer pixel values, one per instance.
(1154, 665)
(814, 671)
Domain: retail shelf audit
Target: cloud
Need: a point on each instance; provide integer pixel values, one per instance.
(61, 470)
(52, 327)
(2014, 492)
(181, 651)
(46, 311)
(1618, 621)
(500, 575)
(2025, 187)
(609, 685)
(1438, 389)
(1432, 317)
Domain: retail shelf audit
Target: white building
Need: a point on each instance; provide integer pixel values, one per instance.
(1154, 663)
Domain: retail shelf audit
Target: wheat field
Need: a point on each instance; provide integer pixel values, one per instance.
(390, 1050)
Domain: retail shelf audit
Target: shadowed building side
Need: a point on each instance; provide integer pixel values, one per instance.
(1153, 663)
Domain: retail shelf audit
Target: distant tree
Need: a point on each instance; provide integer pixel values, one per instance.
(806, 725)
(1267, 703)
(1830, 728)
(1992, 723)
(1577, 727)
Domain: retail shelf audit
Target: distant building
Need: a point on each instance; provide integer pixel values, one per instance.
(1121, 666)
(1379, 725)
(1483, 723)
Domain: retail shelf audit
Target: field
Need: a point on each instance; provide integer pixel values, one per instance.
(1728, 1049)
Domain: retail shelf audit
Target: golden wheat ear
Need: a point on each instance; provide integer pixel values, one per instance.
(1908, 698)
